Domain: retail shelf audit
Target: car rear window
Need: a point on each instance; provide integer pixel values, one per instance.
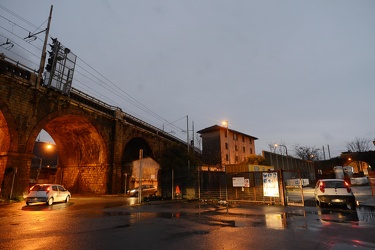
(334, 184)
(40, 188)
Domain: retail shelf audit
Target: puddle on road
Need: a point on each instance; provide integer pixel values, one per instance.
(366, 214)
(296, 219)
(361, 214)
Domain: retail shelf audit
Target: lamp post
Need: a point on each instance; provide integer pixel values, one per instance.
(286, 152)
(280, 145)
(39, 169)
(52, 148)
(226, 124)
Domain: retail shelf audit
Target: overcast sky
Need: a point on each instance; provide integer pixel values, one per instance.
(284, 71)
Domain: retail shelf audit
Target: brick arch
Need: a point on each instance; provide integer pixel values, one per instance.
(8, 134)
(82, 151)
(9, 141)
(132, 147)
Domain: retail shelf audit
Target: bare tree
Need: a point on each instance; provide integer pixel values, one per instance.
(307, 153)
(359, 145)
(271, 146)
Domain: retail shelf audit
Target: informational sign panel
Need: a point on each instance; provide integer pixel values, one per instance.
(270, 185)
(247, 183)
(238, 181)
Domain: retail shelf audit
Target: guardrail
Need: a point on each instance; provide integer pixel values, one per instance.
(15, 68)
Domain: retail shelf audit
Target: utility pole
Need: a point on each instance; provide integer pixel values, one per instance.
(329, 152)
(43, 57)
(187, 140)
(187, 133)
(192, 124)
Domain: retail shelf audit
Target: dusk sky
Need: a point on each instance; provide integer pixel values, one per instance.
(284, 71)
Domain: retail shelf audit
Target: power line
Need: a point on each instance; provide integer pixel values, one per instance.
(94, 76)
(18, 16)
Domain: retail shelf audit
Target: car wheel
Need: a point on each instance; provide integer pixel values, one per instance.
(67, 199)
(50, 201)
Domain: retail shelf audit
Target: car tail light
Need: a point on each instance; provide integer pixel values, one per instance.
(321, 187)
(47, 190)
(347, 187)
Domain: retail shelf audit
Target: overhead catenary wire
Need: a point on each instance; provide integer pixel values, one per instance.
(131, 99)
(89, 73)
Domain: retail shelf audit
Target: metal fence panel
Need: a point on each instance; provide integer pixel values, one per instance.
(219, 186)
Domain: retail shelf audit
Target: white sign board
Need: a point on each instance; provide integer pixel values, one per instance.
(238, 181)
(270, 184)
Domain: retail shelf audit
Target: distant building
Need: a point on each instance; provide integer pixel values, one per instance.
(150, 169)
(222, 146)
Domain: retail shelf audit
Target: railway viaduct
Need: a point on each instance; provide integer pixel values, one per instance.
(96, 142)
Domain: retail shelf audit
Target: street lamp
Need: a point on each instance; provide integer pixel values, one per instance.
(226, 124)
(52, 148)
(39, 169)
(280, 145)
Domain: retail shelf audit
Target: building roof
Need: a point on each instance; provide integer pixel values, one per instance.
(218, 128)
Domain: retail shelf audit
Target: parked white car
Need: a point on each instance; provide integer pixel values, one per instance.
(334, 192)
(48, 193)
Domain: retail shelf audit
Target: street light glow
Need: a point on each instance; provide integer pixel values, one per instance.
(279, 145)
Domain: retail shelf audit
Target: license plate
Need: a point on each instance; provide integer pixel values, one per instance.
(337, 200)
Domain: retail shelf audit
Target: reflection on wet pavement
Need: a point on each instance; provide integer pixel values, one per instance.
(366, 214)
(242, 216)
(338, 215)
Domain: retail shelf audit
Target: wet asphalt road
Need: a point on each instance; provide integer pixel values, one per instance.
(118, 223)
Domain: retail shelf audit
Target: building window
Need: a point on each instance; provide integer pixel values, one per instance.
(251, 142)
(226, 134)
(227, 158)
(226, 146)
(243, 150)
(243, 138)
(236, 158)
(251, 150)
(234, 136)
(236, 147)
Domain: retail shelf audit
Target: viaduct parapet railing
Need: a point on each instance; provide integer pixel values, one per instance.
(116, 112)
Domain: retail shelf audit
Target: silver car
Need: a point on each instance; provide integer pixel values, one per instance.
(48, 193)
(147, 190)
